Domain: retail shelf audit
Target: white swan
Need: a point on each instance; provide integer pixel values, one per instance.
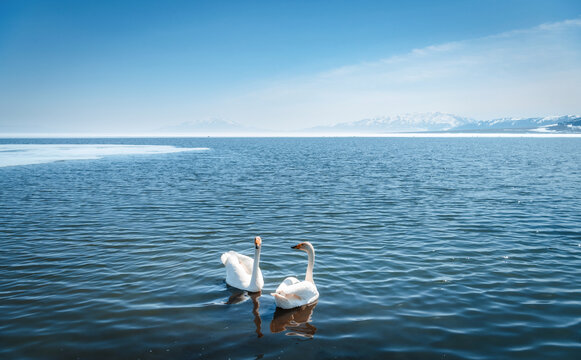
(293, 293)
(241, 271)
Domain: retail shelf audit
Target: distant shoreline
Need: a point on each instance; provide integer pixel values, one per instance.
(299, 135)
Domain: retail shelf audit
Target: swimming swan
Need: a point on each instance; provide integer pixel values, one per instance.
(293, 293)
(241, 271)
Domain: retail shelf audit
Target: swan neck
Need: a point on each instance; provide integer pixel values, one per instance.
(311, 265)
(254, 276)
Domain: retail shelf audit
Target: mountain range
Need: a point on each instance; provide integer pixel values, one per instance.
(400, 123)
(567, 123)
(416, 122)
(441, 122)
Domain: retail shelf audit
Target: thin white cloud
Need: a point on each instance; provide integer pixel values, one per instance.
(526, 72)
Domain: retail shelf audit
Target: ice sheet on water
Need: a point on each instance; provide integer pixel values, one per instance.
(28, 154)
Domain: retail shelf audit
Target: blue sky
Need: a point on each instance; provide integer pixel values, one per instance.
(137, 66)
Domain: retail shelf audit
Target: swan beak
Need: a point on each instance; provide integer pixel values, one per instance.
(296, 246)
(257, 242)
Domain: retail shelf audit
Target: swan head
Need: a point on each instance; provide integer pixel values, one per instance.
(257, 242)
(304, 246)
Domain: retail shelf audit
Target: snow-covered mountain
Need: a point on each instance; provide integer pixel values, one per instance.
(526, 124)
(438, 122)
(435, 121)
(573, 125)
(415, 122)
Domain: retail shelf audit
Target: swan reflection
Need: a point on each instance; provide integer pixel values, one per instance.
(239, 296)
(294, 321)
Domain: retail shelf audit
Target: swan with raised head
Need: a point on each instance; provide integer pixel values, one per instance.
(292, 293)
(242, 272)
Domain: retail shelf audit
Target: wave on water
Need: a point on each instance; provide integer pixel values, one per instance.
(29, 154)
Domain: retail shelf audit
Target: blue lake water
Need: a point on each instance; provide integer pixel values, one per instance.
(425, 249)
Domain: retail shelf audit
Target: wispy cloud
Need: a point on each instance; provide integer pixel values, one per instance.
(526, 72)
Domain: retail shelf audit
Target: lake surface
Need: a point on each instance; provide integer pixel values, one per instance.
(425, 249)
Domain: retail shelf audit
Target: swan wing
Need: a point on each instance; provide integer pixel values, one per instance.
(286, 283)
(233, 256)
(295, 293)
(305, 290)
(237, 274)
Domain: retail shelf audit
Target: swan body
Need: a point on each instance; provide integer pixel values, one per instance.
(292, 292)
(243, 272)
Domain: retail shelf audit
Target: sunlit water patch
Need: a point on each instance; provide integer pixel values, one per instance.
(425, 248)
